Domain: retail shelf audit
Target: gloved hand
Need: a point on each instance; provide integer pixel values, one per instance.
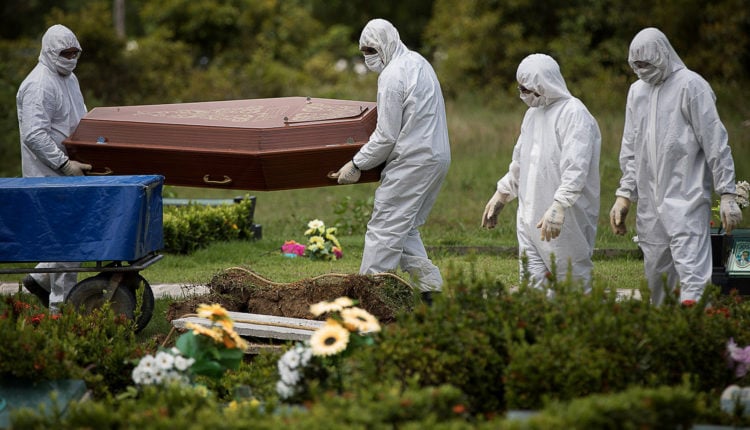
(349, 174)
(730, 213)
(552, 221)
(617, 216)
(74, 168)
(492, 209)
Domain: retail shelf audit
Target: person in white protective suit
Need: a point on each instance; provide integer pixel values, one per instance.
(554, 173)
(673, 146)
(411, 138)
(50, 105)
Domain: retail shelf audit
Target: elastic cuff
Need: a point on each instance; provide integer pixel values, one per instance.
(62, 166)
(355, 165)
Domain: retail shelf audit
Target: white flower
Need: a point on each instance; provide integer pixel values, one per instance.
(158, 375)
(284, 391)
(147, 362)
(148, 379)
(305, 354)
(315, 226)
(290, 359)
(164, 360)
(181, 363)
(289, 376)
(138, 375)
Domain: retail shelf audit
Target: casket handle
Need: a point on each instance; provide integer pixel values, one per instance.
(107, 171)
(226, 180)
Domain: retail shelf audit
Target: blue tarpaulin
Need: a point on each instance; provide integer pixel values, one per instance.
(80, 218)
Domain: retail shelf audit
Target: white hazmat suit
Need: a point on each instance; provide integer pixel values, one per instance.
(50, 106)
(673, 146)
(411, 138)
(554, 173)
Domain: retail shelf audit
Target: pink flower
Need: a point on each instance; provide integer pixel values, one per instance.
(741, 357)
(292, 247)
(337, 252)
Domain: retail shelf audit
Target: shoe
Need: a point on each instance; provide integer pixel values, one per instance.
(34, 288)
(427, 296)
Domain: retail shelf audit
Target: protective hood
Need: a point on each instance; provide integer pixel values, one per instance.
(540, 73)
(383, 37)
(651, 46)
(57, 39)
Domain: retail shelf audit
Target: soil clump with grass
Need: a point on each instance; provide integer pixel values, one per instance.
(242, 290)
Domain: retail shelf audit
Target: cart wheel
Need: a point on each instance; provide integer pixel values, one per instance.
(133, 281)
(91, 293)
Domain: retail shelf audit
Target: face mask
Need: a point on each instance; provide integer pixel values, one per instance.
(649, 74)
(65, 66)
(532, 100)
(374, 63)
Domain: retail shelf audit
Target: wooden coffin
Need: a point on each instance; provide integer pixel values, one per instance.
(259, 144)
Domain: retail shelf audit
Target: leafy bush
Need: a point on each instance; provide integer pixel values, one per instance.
(193, 226)
(353, 215)
(474, 354)
(39, 346)
(458, 341)
(635, 408)
(596, 344)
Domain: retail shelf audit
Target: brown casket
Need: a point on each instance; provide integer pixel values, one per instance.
(260, 144)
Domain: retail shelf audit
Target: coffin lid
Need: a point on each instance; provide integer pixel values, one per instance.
(255, 144)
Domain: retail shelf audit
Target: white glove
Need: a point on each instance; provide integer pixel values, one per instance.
(730, 213)
(493, 208)
(74, 168)
(617, 216)
(552, 221)
(348, 174)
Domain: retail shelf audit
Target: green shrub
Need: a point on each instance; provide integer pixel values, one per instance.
(193, 226)
(458, 341)
(595, 344)
(634, 408)
(39, 346)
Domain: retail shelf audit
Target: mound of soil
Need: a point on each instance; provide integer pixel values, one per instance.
(241, 290)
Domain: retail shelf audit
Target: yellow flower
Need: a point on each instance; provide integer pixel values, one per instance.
(357, 319)
(337, 305)
(213, 333)
(214, 312)
(315, 226)
(330, 339)
(344, 302)
(233, 340)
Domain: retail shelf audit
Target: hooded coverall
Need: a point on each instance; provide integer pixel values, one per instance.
(411, 138)
(673, 145)
(556, 159)
(50, 106)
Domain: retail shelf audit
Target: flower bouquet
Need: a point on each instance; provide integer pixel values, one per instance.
(321, 243)
(208, 351)
(347, 328)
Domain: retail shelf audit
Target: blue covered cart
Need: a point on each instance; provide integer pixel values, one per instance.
(114, 221)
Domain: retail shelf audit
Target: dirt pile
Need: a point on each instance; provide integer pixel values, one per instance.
(242, 290)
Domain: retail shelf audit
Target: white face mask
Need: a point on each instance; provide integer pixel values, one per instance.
(532, 100)
(374, 63)
(65, 66)
(649, 74)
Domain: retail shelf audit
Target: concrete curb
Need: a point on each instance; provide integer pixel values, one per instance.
(160, 290)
